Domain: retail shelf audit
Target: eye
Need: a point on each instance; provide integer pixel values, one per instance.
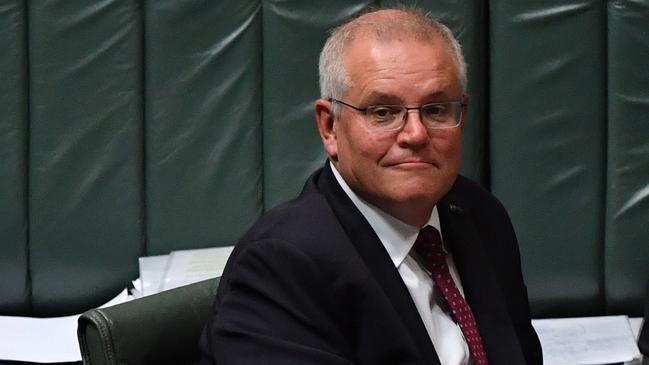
(383, 112)
(435, 110)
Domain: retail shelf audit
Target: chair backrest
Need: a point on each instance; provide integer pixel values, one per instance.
(160, 329)
(135, 128)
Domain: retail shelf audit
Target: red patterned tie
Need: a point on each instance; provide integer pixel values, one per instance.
(429, 246)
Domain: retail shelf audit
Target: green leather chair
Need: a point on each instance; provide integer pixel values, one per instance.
(163, 328)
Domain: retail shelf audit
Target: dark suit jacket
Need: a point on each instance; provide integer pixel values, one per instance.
(311, 283)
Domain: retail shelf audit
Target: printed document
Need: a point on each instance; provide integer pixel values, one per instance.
(587, 340)
(190, 266)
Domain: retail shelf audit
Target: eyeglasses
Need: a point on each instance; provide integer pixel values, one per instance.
(392, 117)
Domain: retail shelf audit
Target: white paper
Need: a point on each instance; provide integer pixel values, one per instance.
(636, 326)
(586, 340)
(136, 290)
(152, 270)
(43, 340)
(189, 266)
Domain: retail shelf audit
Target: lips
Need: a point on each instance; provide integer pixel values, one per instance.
(411, 163)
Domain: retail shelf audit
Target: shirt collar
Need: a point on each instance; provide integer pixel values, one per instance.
(396, 236)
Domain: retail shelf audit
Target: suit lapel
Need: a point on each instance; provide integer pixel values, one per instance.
(479, 282)
(378, 261)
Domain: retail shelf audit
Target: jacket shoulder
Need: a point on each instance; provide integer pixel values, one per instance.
(468, 193)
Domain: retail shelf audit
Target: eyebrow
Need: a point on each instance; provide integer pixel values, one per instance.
(378, 97)
(438, 96)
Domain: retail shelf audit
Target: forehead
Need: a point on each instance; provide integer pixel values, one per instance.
(401, 64)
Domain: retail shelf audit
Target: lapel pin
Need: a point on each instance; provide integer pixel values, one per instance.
(455, 208)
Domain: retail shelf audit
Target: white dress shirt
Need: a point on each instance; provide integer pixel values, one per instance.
(398, 238)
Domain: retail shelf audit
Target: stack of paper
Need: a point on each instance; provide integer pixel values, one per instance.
(152, 271)
(587, 341)
(190, 266)
(183, 267)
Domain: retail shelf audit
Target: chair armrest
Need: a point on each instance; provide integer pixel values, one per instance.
(159, 329)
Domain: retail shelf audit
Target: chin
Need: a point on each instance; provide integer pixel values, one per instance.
(422, 192)
(417, 194)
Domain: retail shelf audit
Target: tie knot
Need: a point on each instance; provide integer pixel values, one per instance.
(428, 244)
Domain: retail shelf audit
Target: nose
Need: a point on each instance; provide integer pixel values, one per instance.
(414, 133)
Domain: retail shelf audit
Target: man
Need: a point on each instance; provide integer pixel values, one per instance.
(345, 273)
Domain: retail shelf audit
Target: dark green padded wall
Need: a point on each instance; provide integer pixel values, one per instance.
(203, 122)
(294, 32)
(139, 127)
(13, 149)
(627, 213)
(85, 151)
(548, 130)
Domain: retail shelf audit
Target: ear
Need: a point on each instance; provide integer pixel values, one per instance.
(465, 109)
(326, 127)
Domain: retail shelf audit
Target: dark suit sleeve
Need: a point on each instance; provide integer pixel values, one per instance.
(276, 306)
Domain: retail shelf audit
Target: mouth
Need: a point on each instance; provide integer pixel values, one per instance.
(412, 164)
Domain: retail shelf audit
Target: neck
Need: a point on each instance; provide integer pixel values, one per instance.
(413, 214)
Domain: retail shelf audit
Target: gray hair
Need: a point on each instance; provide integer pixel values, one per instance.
(334, 81)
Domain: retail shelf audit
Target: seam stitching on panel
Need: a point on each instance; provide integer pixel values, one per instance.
(605, 152)
(486, 89)
(262, 192)
(27, 151)
(143, 197)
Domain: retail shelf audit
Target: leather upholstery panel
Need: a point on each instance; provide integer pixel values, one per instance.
(627, 195)
(13, 160)
(85, 152)
(547, 135)
(202, 121)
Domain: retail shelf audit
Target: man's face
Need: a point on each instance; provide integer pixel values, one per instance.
(406, 171)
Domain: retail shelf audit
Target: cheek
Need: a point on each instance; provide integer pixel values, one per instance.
(363, 147)
(448, 146)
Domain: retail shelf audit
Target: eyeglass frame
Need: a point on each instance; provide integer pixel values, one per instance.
(461, 104)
